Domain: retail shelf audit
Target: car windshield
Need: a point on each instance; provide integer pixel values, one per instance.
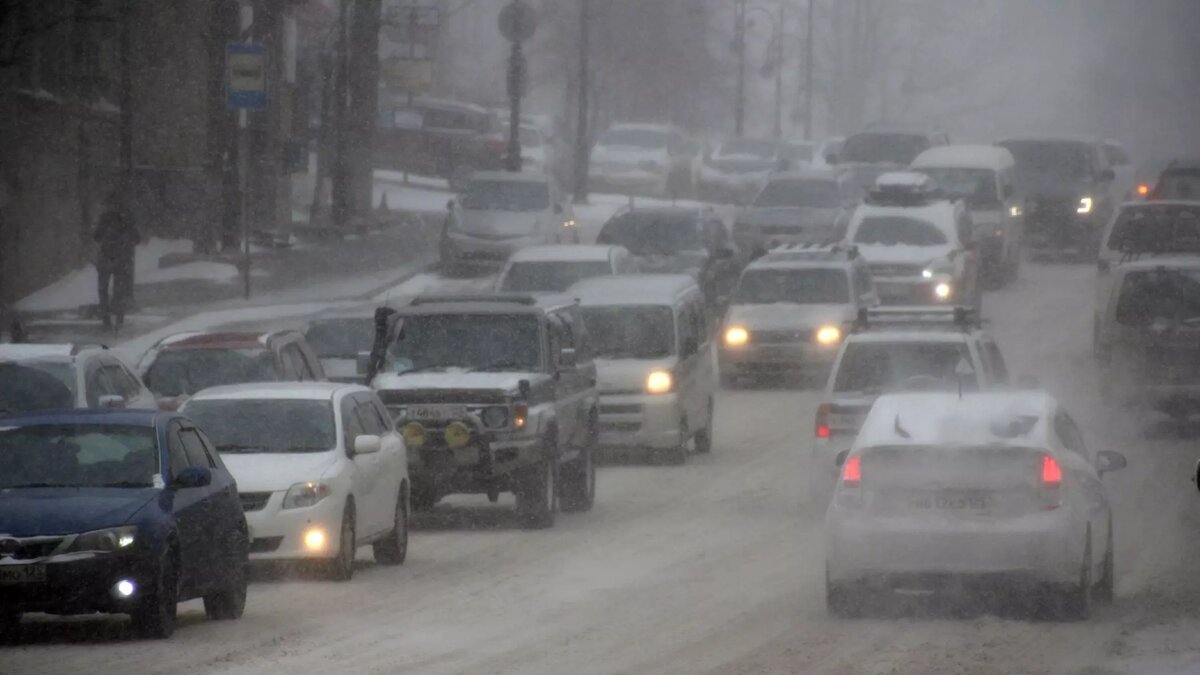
(1164, 297)
(506, 195)
(976, 186)
(898, 230)
(36, 385)
(745, 147)
(1178, 184)
(78, 455)
(883, 148)
(876, 367)
(813, 194)
(793, 286)
(177, 372)
(551, 276)
(644, 139)
(1065, 159)
(653, 233)
(275, 425)
(483, 342)
(630, 332)
(341, 338)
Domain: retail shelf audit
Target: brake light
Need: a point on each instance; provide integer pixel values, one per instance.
(852, 471)
(1051, 472)
(822, 424)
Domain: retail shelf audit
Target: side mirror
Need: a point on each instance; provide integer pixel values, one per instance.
(367, 444)
(193, 477)
(567, 358)
(840, 458)
(111, 401)
(1107, 460)
(362, 363)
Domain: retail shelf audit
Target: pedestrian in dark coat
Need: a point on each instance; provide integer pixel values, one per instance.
(118, 237)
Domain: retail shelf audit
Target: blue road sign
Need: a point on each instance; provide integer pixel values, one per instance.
(246, 75)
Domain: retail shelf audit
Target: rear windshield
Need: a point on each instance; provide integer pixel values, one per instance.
(1165, 296)
(875, 367)
(506, 195)
(816, 194)
(551, 276)
(1182, 184)
(177, 372)
(341, 338)
(630, 332)
(1157, 227)
(883, 148)
(800, 287)
(266, 426)
(36, 385)
(896, 230)
(976, 186)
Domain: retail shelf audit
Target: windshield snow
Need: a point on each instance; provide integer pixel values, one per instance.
(478, 342)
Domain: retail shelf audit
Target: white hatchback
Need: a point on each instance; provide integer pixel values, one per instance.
(320, 470)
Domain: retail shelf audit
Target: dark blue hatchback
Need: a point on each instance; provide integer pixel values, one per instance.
(116, 511)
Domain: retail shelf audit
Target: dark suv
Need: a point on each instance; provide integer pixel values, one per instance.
(1179, 180)
(435, 137)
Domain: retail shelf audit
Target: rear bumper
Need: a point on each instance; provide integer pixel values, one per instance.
(634, 182)
(640, 420)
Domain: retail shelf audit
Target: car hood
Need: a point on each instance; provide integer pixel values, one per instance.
(627, 155)
(275, 471)
(782, 315)
(1040, 184)
(903, 253)
(455, 378)
(628, 375)
(499, 224)
(795, 216)
(44, 511)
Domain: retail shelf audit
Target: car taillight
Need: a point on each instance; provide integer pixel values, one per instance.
(822, 424)
(852, 471)
(1051, 472)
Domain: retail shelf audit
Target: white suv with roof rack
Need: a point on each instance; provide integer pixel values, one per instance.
(43, 376)
(790, 310)
(897, 348)
(919, 244)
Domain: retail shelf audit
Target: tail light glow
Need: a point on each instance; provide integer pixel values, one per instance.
(852, 471)
(1051, 472)
(822, 423)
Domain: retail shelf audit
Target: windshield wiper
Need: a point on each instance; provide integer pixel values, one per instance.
(38, 485)
(498, 365)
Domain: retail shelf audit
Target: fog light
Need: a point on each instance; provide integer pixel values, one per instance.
(125, 588)
(829, 335)
(414, 435)
(457, 435)
(736, 336)
(942, 290)
(314, 539)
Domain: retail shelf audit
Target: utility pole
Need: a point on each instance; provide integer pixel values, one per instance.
(125, 97)
(739, 46)
(581, 126)
(517, 24)
(779, 74)
(808, 72)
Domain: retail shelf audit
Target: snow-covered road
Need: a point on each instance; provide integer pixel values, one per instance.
(710, 567)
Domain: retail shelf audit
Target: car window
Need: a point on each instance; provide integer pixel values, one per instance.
(99, 383)
(1065, 429)
(862, 279)
(121, 381)
(193, 447)
(991, 352)
(687, 329)
(293, 363)
(176, 452)
(368, 418)
(351, 426)
(898, 230)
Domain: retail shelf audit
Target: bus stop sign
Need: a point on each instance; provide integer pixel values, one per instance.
(246, 75)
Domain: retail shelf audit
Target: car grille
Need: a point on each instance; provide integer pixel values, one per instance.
(265, 544)
(896, 270)
(620, 426)
(780, 336)
(29, 548)
(254, 501)
(407, 396)
(1049, 215)
(620, 409)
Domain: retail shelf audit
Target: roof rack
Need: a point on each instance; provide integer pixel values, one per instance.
(814, 250)
(962, 318)
(505, 298)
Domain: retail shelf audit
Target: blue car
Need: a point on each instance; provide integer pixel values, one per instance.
(117, 511)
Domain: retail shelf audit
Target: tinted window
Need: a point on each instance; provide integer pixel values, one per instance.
(467, 341)
(187, 371)
(1156, 227)
(818, 194)
(793, 286)
(341, 338)
(1064, 158)
(262, 426)
(34, 385)
(551, 276)
(630, 332)
(897, 230)
(116, 456)
(976, 186)
(881, 366)
(883, 148)
(1163, 296)
(650, 232)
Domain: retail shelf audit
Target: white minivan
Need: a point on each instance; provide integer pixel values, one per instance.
(320, 470)
(649, 337)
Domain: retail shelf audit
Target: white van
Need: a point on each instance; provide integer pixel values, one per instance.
(650, 340)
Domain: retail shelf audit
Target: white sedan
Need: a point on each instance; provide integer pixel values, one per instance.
(992, 490)
(320, 470)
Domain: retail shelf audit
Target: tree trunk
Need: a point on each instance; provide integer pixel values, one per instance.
(362, 89)
(221, 29)
(339, 175)
(581, 128)
(83, 69)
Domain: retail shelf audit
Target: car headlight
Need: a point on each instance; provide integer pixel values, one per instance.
(659, 382)
(302, 495)
(568, 223)
(736, 336)
(1085, 205)
(1015, 211)
(943, 291)
(926, 273)
(105, 541)
(828, 335)
(494, 417)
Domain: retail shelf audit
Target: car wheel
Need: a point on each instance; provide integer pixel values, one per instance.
(537, 498)
(393, 549)
(154, 617)
(1075, 602)
(840, 601)
(1104, 590)
(341, 568)
(703, 437)
(677, 455)
(230, 602)
(579, 477)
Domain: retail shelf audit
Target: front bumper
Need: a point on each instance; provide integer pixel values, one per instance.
(482, 466)
(637, 420)
(277, 534)
(78, 583)
(916, 291)
(864, 546)
(1056, 226)
(765, 359)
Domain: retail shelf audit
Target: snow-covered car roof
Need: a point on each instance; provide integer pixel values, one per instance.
(565, 253)
(965, 157)
(311, 391)
(946, 418)
(511, 176)
(942, 214)
(632, 289)
(26, 352)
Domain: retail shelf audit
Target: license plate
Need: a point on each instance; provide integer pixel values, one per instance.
(845, 421)
(435, 413)
(951, 501)
(22, 574)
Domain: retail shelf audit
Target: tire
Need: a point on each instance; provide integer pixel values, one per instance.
(578, 485)
(840, 601)
(229, 603)
(677, 456)
(341, 568)
(393, 549)
(1104, 590)
(537, 496)
(1075, 602)
(703, 437)
(154, 617)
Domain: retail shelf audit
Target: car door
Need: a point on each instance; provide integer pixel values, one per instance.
(229, 519)
(365, 470)
(1094, 506)
(390, 458)
(568, 386)
(190, 509)
(701, 370)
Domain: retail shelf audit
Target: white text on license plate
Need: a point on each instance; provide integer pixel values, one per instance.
(22, 574)
(435, 413)
(952, 502)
